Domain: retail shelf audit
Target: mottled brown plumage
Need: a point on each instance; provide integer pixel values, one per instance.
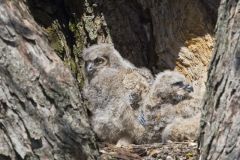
(168, 101)
(115, 89)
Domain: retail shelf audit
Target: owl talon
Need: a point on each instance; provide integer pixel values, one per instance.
(141, 119)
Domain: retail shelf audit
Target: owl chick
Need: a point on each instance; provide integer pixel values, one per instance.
(115, 90)
(161, 106)
(186, 125)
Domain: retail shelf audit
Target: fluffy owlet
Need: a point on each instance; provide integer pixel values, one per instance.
(115, 90)
(165, 105)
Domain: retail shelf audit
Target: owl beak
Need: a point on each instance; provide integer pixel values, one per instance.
(188, 88)
(90, 68)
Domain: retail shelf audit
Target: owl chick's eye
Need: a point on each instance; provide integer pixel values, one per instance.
(180, 84)
(99, 61)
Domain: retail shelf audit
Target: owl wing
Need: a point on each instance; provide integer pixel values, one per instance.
(136, 87)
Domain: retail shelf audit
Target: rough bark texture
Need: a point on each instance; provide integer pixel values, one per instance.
(221, 112)
(42, 115)
(70, 25)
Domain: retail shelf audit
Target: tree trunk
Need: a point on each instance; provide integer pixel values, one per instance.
(42, 115)
(220, 125)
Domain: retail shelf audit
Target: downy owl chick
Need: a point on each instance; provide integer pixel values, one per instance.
(161, 105)
(115, 90)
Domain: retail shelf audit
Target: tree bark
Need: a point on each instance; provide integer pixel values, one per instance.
(42, 115)
(220, 124)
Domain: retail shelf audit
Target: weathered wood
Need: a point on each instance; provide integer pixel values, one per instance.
(221, 113)
(42, 115)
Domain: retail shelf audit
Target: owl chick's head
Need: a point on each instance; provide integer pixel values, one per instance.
(98, 57)
(170, 87)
